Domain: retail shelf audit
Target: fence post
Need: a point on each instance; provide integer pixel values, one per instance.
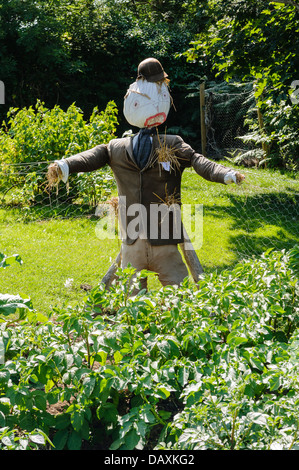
(2, 351)
(2, 92)
(202, 119)
(262, 129)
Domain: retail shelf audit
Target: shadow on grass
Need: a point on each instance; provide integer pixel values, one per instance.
(262, 221)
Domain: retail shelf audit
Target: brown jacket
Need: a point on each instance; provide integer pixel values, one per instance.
(151, 185)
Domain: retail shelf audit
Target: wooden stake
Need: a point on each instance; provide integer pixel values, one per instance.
(110, 274)
(191, 257)
(202, 119)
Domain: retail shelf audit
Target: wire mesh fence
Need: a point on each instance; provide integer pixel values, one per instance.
(24, 186)
(261, 214)
(225, 120)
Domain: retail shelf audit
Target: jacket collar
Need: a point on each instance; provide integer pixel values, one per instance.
(129, 149)
(129, 146)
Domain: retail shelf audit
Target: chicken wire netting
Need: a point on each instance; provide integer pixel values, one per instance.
(262, 213)
(227, 108)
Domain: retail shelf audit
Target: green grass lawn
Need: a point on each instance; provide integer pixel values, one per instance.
(239, 221)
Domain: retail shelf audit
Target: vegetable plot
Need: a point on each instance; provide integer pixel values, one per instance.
(206, 366)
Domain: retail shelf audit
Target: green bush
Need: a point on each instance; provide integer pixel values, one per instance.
(280, 135)
(37, 135)
(206, 366)
(42, 134)
(10, 304)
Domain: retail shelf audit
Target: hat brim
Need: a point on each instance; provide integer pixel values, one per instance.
(154, 78)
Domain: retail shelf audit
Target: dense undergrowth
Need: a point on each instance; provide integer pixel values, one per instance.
(206, 366)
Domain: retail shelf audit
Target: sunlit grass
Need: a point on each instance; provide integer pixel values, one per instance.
(52, 252)
(245, 220)
(238, 221)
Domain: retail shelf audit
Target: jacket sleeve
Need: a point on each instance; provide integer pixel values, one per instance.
(204, 167)
(89, 160)
(208, 169)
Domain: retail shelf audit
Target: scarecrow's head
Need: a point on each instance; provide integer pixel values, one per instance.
(147, 101)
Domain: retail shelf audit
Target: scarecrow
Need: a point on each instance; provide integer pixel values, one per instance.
(148, 168)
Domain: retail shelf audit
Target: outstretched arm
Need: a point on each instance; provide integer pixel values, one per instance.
(215, 172)
(204, 167)
(89, 160)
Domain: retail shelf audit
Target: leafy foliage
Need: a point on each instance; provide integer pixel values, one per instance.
(41, 135)
(258, 41)
(66, 51)
(207, 366)
(280, 135)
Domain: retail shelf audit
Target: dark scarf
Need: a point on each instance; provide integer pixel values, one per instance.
(142, 148)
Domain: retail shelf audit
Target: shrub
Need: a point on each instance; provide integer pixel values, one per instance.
(42, 134)
(36, 135)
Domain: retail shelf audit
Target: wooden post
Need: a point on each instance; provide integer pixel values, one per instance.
(202, 119)
(261, 126)
(191, 258)
(110, 274)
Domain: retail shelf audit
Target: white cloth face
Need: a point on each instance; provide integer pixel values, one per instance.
(146, 104)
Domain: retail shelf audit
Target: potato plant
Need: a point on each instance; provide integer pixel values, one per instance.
(212, 365)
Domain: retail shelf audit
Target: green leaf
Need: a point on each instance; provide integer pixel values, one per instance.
(8, 441)
(234, 339)
(60, 439)
(163, 392)
(37, 439)
(255, 362)
(62, 421)
(101, 357)
(9, 260)
(10, 303)
(2, 419)
(147, 415)
(275, 383)
(117, 357)
(131, 439)
(74, 441)
(108, 412)
(183, 376)
(258, 418)
(40, 402)
(77, 417)
(117, 444)
(4, 376)
(88, 385)
(165, 415)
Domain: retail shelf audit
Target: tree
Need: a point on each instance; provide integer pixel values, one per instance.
(257, 41)
(87, 52)
(35, 53)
